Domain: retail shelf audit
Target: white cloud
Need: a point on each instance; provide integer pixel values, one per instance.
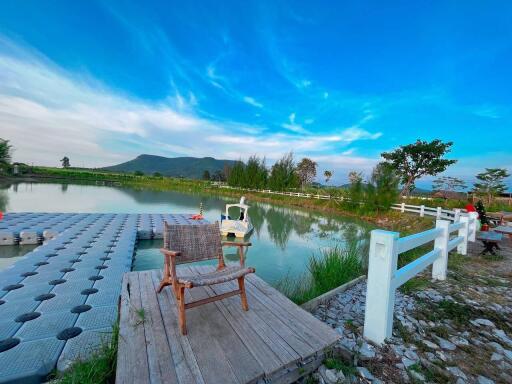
(252, 101)
(48, 113)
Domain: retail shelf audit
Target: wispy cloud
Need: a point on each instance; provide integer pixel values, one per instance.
(252, 101)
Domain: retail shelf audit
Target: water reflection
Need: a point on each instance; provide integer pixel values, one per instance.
(283, 238)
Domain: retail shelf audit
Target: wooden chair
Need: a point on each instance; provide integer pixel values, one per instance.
(191, 243)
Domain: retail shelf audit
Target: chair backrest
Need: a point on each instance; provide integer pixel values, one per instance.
(194, 242)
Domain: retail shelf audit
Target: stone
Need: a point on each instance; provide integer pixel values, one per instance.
(445, 344)
(484, 322)
(459, 341)
(366, 351)
(484, 380)
(497, 347)
(496, 357)
(500, 334)
(508, 354)
(430, 344)
(408, 362)
(417, 376)
(455, 371)
(365, 373)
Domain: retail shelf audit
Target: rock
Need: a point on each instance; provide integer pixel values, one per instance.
(365, 373)
(459, 341)
(500, 334)
(460, 380)
(328, 375)
(496, 357)
(331, 376)
(497, 347)
(430, 344)
(484, 380)
(408, 362)
(366, 351)
(445, 344)
(455, 371)
(417, 376)
(484, 322)
(508, 354)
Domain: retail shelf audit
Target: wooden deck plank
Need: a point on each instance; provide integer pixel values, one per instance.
(161, 364)
(315, 331)
(269, 343)
(264, 343)
(187, 368)
(242, 362)
(132, 363)
(292, 347)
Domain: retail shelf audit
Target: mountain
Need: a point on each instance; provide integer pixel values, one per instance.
(189, 167)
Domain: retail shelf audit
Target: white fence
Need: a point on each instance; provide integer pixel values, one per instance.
(422, 210)
(295, 194)
(384, 277)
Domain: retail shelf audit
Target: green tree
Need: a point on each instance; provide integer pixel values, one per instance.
(236, 175)
(283, 175)
(355, 190)
(65, 162)
(157, 174)
(206, 175)
(491, 183)
(138, 173)
(447, 184)
(5, 151)
(419, 159)
(327, 175)
(255, 175)
(384, 182)
(306, 171)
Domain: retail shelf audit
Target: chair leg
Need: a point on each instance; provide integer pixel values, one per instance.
(243, 296)
(181, 310)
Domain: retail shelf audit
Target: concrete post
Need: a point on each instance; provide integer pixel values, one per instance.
(462, 248)
(441, 264)
(438, 216)
(422, 210)
(403, 207)
(473, 217)
(380, 294)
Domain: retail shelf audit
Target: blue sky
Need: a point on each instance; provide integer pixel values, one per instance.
(341, 82)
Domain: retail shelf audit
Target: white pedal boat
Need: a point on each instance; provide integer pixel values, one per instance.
(240, 227)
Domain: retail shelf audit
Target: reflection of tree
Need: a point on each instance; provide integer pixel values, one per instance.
(257, 215)
(64, 187)
(4, 200)
(302, 223)
(279, 227)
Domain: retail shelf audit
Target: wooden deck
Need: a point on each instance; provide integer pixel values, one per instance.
(274, 342)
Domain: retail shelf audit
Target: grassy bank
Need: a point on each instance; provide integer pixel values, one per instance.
(328, 270)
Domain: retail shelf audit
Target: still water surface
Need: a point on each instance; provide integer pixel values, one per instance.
(283, 238)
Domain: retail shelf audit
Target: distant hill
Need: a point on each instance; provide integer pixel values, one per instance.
(189, 167)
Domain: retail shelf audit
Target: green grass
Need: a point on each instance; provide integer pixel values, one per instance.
(332, 268)
(99, 368)
(416, 284)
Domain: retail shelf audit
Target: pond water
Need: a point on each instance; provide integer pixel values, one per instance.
(283, 238)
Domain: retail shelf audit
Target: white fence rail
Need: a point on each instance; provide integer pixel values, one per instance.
(384, 277)
(423, 210)
(295, 194)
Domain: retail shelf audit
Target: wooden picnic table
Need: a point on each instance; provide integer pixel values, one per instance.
(490, 240)
(505, 229)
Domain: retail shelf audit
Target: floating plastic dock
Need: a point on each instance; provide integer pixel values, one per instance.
(59, 302)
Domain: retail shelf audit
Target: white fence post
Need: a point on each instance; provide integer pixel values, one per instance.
(462, 248)
(473, 217)
(456, 216)
(380, 294)
(439, 212)
(422, 210)
(440, 266)
(403, 207)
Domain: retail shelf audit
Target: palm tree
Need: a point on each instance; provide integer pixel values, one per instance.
(65, 162)
(327, 175)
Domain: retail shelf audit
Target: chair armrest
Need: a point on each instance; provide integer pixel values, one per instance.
(168, 252)
(236, 244)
